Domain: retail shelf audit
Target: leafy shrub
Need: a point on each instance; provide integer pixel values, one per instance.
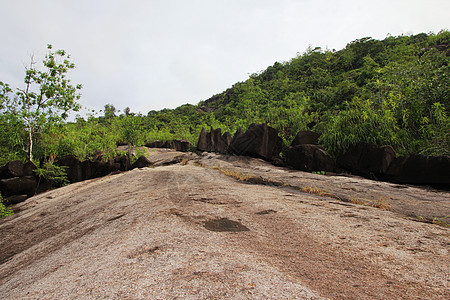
(4, 211)
(53, 174)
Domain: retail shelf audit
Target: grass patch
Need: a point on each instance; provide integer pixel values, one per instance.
(441, 221)
(233, 173)
(247, 178)
(381, 203)
(316, 191)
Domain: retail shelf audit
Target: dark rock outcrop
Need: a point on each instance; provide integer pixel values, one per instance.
(96, 168)
(168, 144)
(204, 141)
(261, 141)
(309, 158)
(178, 145)
(214, 141)
(420, 169)
(28, 168)
(141, 162)
(181, 145)
(367, 159)
(306, 137)
(83, 170)
(73, 167)
(15, 199)
(122, 162)
(155, 144)
(18, 186)
(12, 169)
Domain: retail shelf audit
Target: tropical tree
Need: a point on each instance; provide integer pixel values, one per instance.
(46, 99)
(109, 111)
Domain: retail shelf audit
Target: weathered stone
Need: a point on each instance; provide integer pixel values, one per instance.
(309, 158)
(74, 167)
(15, 199)
(236, 138)
(155, 144)
(367, 159)
(259, 141)
(214, 141)
(181, 145)
(306, 137)
(168, 144)
(28, 168)
(95, 168)
(204, 141)
(420, 169)
(18, 186)
(227, 138)
(219, 142)
(123, 162)
(12, 169)
(141, 162)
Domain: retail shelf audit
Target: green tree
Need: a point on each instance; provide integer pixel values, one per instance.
(109, 111)
(47, 97)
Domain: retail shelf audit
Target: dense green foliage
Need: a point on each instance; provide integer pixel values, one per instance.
(42, 104)
(394, 91)
(4, 211)
(53, 174)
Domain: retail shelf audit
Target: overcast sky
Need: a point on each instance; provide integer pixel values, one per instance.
(156, 54)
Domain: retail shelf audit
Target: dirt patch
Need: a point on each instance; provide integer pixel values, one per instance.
(224, 224)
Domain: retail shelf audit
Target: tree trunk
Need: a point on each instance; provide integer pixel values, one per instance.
(30, 148)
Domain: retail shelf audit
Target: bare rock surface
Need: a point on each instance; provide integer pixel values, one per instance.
(187, 231)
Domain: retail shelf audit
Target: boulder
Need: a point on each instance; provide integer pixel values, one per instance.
(74, 168)
(12, 169)
(15, 199)
(261, 141)
(18, 186)
(367, 159)
(227, 138)
(122, 162)
(168, 144)
(221, 142)
(214, 141)
(306, 137)
(181, 145)
(28, 168)
(155, 144)
(218, 144)
(309, 158)
(141, 162)
(96, 168)
(204, 141)
(420, 169)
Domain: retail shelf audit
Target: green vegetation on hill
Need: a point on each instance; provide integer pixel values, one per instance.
(391, 92)
(394, 92)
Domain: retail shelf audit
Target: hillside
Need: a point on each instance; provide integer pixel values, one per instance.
(393, 92)
(190, 231)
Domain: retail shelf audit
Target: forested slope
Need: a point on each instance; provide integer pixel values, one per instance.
(394, 92)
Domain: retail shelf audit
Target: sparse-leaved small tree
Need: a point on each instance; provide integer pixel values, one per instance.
(47, 97)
